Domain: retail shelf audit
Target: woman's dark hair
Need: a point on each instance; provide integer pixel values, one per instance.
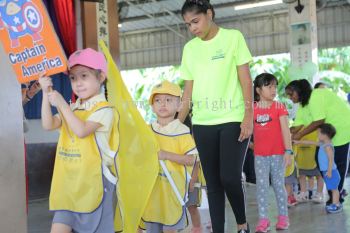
(262, 80)
(317, 85)
(303, 88)
(197, 6)
(328, 130)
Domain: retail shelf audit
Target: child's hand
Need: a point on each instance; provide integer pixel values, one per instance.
(287, 159)
(329, 173)
(45, 84)
(162, 155)
(56, 99)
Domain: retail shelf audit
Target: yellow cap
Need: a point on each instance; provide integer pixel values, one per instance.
(165, 87)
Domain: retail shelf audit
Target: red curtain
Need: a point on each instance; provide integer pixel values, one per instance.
(65, 15)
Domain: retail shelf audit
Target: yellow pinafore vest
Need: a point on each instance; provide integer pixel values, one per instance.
(305, 154)
(163, 206)
(77, 183)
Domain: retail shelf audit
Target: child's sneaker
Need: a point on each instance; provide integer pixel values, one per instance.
(317, 197)
(282, 223)
(302, 197)
(334, 208)
(263, 226)
(291, 201)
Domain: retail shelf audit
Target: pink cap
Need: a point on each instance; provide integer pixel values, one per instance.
(90, 58)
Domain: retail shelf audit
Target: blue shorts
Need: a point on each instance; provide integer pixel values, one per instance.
(333, 182)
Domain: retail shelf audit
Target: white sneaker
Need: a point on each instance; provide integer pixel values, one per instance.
(302, 197)
(317, 198)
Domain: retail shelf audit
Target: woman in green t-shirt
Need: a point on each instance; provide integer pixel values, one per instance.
(219, 87)
(325, 107)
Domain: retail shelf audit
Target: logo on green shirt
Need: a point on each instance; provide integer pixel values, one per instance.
(219, 54)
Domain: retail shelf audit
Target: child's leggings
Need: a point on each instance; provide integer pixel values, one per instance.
(264, 166)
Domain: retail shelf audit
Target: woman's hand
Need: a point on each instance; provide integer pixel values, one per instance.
(246, 128)
(296, 137)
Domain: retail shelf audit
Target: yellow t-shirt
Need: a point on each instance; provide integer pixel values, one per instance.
(212, 65)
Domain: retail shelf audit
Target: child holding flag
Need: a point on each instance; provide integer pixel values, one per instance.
(83, 185)
(166, 209)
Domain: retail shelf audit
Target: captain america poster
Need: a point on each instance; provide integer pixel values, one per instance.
(29, 39)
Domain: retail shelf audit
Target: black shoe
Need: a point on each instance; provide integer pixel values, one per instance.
(244, 230)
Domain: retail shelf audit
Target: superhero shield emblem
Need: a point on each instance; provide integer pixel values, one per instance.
(32, 17)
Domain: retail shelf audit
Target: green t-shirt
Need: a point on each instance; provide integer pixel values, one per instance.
(324, 104)
(303, 116)
(212, 65)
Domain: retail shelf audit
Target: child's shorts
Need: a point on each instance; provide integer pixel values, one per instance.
(292, 179)
(309, 173)
(333, 182)
(159, 228)
(193, 198)
(99, 221)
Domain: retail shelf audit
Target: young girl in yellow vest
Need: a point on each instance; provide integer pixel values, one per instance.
(166, 210)
(83, 185)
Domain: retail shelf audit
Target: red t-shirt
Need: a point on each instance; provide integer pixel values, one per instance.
(268, 139)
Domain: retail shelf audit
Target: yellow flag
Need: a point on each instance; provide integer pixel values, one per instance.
(137, 159)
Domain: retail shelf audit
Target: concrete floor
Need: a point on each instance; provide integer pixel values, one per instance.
(304, 218)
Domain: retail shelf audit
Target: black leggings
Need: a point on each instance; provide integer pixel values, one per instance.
(222, 157)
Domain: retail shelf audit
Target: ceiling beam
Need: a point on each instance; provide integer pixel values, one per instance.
(178, 12)
(151, 16)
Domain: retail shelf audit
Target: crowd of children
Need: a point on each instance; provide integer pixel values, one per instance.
(82, 193)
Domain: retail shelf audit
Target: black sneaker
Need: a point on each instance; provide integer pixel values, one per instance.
(244, 230)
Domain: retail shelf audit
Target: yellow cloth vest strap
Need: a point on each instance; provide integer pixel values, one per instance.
(306, 153)
(77, 183)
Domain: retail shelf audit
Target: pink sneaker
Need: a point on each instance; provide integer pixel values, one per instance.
(263, 226)
(282, 223)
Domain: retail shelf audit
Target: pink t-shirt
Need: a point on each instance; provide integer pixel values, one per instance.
(268, 139)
